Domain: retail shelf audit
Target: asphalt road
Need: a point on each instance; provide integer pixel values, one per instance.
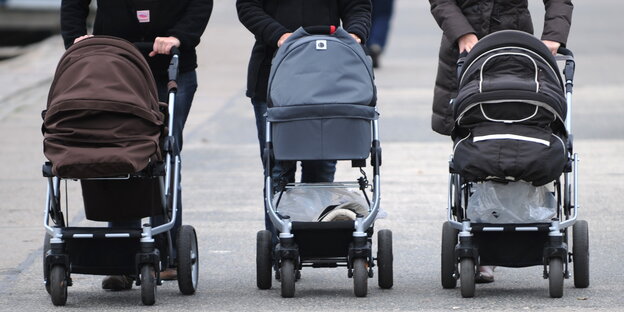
(223, 190)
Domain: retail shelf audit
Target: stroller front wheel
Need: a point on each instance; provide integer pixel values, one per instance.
(360, 277)
(58, 285)
(555, 278)
(148, 284)
(287, 277)
(467, 277)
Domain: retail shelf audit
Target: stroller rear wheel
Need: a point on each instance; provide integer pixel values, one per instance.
(555, 278)
(58, 285)
(46, 270)
(287, 277)
(264, 264)
(467, 277)
(188, 260)
(448, 260)
(148, 284)
(580, 253)
(384, 259)
(360, 277)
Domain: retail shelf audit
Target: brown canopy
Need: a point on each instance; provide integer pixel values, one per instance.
(103, 117)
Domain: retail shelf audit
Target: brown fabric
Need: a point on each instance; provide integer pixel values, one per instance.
(103, 117)
(121, 200)
(482, 17)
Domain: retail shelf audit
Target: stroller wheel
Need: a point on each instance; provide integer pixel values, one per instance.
(264, 264)
(188, 260)
(448, 260)
(148, 284)
(360, 277)
(580, 254)
(288, 278)
(384, 259)
(58, 285)
(46, 270)
(467, 277)
(555, 278)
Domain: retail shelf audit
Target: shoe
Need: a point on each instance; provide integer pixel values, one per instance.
(117, 282)
(375, 53)
(485, 275)
(170, 274)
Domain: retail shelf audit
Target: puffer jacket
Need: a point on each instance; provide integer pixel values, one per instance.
(482, 17)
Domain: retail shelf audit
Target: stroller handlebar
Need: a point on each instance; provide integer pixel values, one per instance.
(320, 29)
(172, 71)
(148, 46)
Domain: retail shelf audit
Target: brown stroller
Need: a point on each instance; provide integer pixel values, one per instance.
(105, 127)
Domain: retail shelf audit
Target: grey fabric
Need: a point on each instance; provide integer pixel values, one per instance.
(317, 139)
(321, 98)
(302, 112)
(321, 69)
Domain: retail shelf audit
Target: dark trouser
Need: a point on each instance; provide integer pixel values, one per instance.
(187, 85)
(311, 170)
(380, 22)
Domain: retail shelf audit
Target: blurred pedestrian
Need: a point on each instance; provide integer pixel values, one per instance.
(167, 23)
(380, 27)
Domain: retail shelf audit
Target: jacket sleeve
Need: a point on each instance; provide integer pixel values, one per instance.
(450, 19)
(74, 15)
(356, 17)
(557, 20)
(253, 16)
(192, 24)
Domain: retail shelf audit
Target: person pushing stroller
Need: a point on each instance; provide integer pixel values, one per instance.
(168, 24)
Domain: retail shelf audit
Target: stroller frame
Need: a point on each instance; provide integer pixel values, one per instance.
(287, 257)
(149, 261)
(463, 241)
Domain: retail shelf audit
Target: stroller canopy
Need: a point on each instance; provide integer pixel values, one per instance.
(321, 97)
(507, 66)
(103, 117)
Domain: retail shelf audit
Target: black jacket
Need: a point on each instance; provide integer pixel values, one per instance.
(482, 17)
(268, 20)
(183, 19)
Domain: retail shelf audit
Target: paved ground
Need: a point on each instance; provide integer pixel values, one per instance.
(222, 181)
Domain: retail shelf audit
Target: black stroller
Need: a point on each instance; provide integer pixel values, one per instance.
(104, 127)
(512, 131)
(321, 106)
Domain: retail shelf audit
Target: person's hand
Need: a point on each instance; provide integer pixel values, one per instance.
(466, 42)
(163, 45)
(553, 46)
(82, 38)
(282, 39)
(356, 38)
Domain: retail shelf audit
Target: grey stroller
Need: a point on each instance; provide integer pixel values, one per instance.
(513, 173)
(321, 106)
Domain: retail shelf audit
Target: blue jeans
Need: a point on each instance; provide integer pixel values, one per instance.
(311, 170)
(380, 22)
(187, 85)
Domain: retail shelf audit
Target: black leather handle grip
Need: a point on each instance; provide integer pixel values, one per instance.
(320, 29)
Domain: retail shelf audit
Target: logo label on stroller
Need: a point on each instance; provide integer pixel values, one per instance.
(321, 44)
(143, 16)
